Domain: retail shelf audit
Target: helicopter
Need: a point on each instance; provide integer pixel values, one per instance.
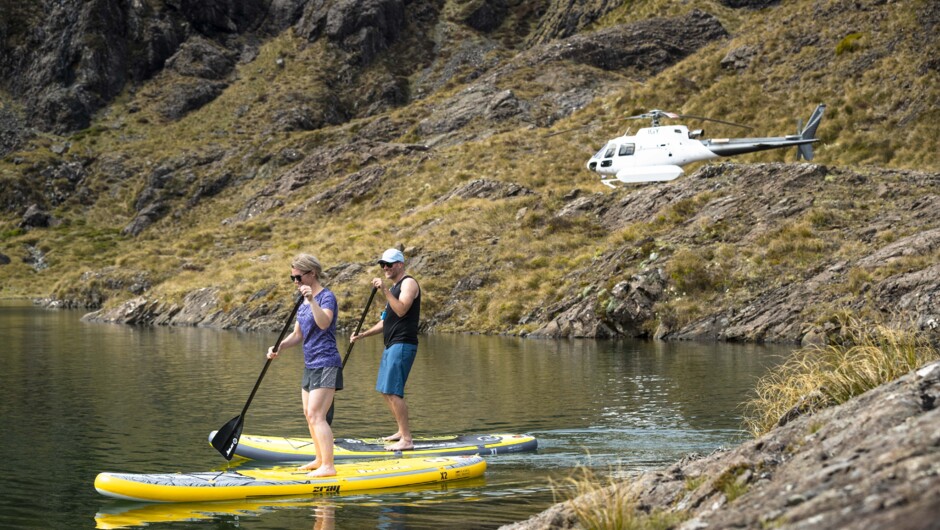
(657, 153)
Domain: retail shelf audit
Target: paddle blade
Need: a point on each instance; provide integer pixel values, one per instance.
(226, 439)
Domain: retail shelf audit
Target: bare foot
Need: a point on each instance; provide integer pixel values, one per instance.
(393, 438)
(323, 471)
(309, 467)
(402, 445)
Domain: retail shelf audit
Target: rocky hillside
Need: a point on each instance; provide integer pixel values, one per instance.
(164, 159)
(869, 463)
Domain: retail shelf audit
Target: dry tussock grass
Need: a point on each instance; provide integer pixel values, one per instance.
(815, 377)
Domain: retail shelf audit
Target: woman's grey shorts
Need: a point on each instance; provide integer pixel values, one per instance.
(327, 377)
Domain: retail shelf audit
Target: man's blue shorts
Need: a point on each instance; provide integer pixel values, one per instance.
(395, 367)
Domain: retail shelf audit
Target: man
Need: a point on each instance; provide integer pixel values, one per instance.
(399, 327)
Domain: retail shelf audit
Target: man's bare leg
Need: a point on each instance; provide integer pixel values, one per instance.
(400, 410)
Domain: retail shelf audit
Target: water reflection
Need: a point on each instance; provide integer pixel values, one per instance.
(79, 398)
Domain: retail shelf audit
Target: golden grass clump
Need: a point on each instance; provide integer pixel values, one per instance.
(817, 376)
(601, 506)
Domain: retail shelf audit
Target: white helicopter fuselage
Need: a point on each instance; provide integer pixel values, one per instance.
(652, 154)
(658, 153)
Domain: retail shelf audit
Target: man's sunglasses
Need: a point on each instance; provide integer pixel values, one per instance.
(385, 265)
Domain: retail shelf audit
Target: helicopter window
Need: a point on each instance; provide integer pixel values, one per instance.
(609, 153)
(626, 149)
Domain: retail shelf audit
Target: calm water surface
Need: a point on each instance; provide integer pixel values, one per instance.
(80, 398)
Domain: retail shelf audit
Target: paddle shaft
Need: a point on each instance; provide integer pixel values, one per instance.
(329, 413)
(287, 325)
(359, 326)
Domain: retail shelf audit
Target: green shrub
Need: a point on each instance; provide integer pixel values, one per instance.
(849, 43)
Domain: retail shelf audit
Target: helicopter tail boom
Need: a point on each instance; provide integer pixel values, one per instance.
(803, 140)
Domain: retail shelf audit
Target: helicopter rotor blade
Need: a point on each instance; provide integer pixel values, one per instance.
(655, 115)
(716, 121)
(566, 131)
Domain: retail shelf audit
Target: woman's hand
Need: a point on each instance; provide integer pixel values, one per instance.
(271, 353)
(306, 291)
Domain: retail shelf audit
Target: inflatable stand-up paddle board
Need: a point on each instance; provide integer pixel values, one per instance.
(278, 449)
(282, 481)
(115, 514)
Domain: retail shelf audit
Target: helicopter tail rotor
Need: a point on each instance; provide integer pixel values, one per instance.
(805, 151)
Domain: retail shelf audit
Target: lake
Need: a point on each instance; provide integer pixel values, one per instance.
(80, 398)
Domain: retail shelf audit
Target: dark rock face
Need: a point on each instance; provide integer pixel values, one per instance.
(649, 46)
(36, 218)
(750, 4)
(869, 463)
(187, 97)
(80, 55)
(13, 131)
(361, 27)
(486, 16)
(66, 59)
(199, 57)
(564, 19)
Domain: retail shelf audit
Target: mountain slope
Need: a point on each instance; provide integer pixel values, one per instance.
(346, 127)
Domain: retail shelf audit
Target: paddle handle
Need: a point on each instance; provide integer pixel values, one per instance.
(359, 326)
(287, 325)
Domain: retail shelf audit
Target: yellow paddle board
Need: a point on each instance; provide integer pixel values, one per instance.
(279, 449)
(120, 514)
(280, 481)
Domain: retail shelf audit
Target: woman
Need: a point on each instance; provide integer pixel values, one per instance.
(323, 367)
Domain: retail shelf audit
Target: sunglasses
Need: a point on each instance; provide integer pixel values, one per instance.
(299, 277)
(385, 265)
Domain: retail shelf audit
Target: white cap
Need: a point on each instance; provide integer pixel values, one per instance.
(392, 255)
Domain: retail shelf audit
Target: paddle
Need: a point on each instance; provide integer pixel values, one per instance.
(226, 439)
(329, 413)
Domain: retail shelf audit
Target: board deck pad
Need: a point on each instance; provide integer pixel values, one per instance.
(280, 449)
(286, 480)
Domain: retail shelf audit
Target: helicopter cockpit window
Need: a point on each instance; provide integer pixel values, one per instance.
(626, 149)
(610, 152)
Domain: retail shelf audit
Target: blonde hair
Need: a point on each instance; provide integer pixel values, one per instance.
(308, 263)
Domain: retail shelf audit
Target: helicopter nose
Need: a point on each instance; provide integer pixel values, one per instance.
(592, 165)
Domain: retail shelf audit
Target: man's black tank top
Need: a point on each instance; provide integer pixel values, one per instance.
(395, 329)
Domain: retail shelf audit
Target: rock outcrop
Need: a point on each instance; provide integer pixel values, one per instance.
(748, 205)
(872, 462)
